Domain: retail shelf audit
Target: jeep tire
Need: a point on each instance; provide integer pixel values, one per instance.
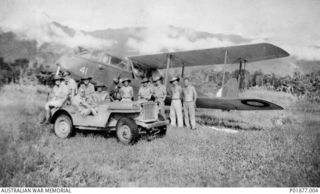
(63, 126)
(127, 131)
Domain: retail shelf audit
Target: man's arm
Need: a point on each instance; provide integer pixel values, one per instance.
(139, 94)
(164, 93)
(195, 94)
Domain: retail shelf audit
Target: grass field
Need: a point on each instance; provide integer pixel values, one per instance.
(270, 148)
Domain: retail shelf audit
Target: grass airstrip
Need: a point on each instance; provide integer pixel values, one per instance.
(250, 148)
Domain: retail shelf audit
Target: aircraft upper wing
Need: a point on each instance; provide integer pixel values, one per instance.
(250, 53)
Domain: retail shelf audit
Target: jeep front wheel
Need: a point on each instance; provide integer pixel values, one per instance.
(63, 126)
(127, 131)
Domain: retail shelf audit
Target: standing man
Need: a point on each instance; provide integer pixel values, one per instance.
(70, 83)
(145, 90)
(160, 94)
(176, 106)
(87, 86)
(126, 91)
(189, 101)
(59, 96)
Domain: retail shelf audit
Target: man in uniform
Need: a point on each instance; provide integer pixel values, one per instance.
(83, 104)
(87, 86)
(101, 95)
(115, 92)
(60, 94)
(70, 83)
(189, 101)
(176, 106)
(126, 91)
(145, 91)
(160, 93)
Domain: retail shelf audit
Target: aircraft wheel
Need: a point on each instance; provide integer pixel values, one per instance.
(127, 131)
(63, 126)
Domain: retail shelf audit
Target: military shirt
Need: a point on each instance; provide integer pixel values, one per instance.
(189, 94)
(60, 92)
(126, 92)
(160, 92)
(89, 89)
(176, 92)
(72, 86)
(145, 93)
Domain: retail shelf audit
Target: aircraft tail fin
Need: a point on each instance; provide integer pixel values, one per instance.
(229, 90)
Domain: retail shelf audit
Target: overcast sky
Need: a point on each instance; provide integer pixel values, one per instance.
(291, 24)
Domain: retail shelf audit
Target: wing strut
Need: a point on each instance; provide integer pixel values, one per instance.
(169, 56)
(224, 67)
(182, 71)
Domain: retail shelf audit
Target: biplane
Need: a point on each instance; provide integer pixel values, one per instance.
(104, 67)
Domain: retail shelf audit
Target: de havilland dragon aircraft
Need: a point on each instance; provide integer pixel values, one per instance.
(104, 67)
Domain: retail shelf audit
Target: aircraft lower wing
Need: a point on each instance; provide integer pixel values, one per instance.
(233, 104)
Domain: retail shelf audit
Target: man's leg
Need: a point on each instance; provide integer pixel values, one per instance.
(192, 114)
(186, 114)
(48, 106)
(172, 114)
(178, 108)
(161, 108)
(46, 116)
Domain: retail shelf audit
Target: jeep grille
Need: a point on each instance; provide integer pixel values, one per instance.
(149, 111)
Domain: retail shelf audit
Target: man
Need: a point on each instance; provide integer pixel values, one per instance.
(101, 95)
(87, 86)
(70, 83)
(160, 93)
(115, 92)
(189, 101)
(82, 103)
(176, 106)
(145, 91)
(126, 91)
(60, 94)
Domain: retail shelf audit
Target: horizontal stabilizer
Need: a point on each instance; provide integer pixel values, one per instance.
(234, 104)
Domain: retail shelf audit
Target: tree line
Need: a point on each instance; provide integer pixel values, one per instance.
(299, 84)
(22, 71)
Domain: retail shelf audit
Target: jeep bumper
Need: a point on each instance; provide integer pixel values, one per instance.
(153, 125)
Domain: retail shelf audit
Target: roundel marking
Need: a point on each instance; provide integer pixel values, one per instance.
(255, 103)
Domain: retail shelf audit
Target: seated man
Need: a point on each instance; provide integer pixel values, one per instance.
(145, 91)
(87, 86)
(83, 104)
(70, 83)
(101, 95)
(60, 94)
